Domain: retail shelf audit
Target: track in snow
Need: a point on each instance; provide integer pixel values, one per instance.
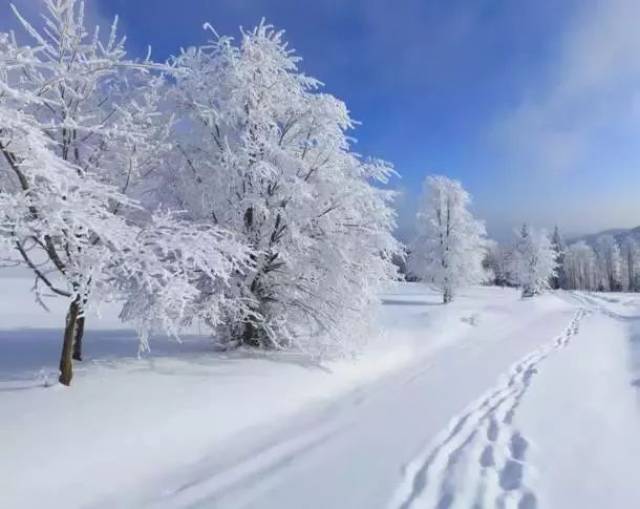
(480, 460)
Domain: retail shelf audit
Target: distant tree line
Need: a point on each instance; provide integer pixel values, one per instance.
(451, 249)
(604, 265)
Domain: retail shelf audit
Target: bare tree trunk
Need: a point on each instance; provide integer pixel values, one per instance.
(66, 363)
(77, 342)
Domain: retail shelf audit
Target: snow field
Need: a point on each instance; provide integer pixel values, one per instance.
(551, 380)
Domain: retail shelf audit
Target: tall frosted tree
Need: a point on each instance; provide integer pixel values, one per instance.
(264, 154)
(450, 244)
(79, 128)
(534, 261)
(88, 90)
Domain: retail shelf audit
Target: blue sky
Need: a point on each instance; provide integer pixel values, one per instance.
(533, 105)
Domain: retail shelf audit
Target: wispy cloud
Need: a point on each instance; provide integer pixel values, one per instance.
(587, 100)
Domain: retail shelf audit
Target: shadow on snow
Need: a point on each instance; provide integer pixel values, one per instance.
(29, 357)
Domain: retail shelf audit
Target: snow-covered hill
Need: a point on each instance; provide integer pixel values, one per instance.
(620, 234)
(493, 400)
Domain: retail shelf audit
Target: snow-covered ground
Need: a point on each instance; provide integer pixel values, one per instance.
(492, 401)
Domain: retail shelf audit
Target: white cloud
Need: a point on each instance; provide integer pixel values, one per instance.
(589, 93)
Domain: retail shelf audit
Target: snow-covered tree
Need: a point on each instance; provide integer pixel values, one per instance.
(609, 262)
(92, 102)
(581, 267)
(630, 254)
(559, 247)
(79, 128)
(534, 261)
(451, 244)
(498, 263)
(264, 154)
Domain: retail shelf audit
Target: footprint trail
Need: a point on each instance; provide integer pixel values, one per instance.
(480, 461)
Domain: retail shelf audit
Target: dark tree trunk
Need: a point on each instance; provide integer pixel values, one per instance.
(250, 335)
(66, 363)
(77, 343)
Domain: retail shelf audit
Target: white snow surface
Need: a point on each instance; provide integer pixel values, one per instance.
(491, 401)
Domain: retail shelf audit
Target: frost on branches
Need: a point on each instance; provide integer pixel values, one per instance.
(534, 261)
(559, 280)
(264, 154)
(630, 252)
(580, 267)
(609, 263)
(80, 130)
(220, 187)
(451, 244)
(604, 264)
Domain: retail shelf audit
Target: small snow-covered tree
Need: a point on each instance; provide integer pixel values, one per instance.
(264, 154)
(534, 261)
(490, 262)
(630, 254)
(558, 281)
(498, 263)
(451, 244)
(79, 127)
(609, 262)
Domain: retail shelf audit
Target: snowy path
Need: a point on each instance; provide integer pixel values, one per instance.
(479, 461)
(582, 413)
(490, 402)
(361, 450)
